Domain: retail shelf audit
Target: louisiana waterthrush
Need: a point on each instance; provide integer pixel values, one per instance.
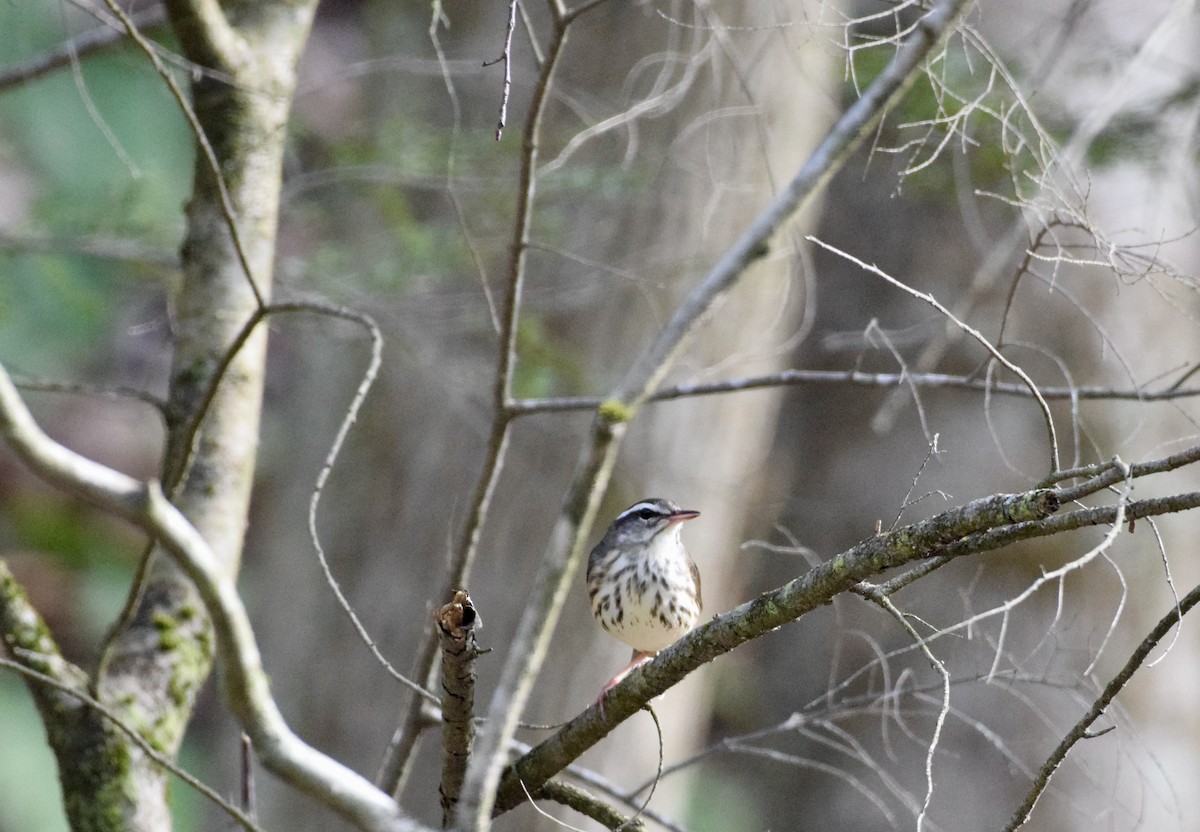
(644, 587)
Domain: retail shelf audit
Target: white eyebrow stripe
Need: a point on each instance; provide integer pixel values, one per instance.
(634, 509)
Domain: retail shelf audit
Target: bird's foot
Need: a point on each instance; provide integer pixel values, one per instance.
(639, 659)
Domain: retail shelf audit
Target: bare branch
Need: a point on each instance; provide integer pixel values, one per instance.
(450, 184)
(789, 378)
(216, 20)
(351, 415)
(769, 611)
(983, 525)
(969, 330)
(588, 805)
(111, 393)
(1112, 472)
(205, 31)
(249, 791)
(506, 58)
(80, 46)
(1081, 729)
(570, 15)
(456, 622)
(464, 557)
(120, 249)
(246, 685)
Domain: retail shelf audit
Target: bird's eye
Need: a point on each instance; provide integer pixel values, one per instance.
(647, 514)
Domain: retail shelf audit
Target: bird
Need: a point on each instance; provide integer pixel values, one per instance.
(643, 585)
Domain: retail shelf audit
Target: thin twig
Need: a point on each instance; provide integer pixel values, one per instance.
(120, 249)
(1112, 472)
(97, 118)
(571, 15)
(436, 20)
(659, 771)
(1055, 574)
(968, 329)
(360, 395)
(547, 815)
(1162, 553)
(1101, 703)
(249, 793)
(786, 378)
(206, 149)
(80, 46)
(531, 33)
(908, 500)
(506, 57)
(99, 391)
(886, 603)
(603, 784)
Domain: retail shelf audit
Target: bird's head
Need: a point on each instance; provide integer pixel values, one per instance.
(645, 520)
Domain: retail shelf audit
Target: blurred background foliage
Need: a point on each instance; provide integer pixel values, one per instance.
(399, 201)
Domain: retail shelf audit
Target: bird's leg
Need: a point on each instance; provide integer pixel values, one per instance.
(639, 658)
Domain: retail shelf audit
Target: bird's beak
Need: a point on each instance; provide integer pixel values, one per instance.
(680, 516)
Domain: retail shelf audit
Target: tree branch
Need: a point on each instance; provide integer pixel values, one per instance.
(244, 680)
(214, 23)
(788, 378)
(765, 613)
(205, 32)
(983, 525)
(1080, 730)
(455, 624)
(399, 752)
(33, 647)
(964, 327)
(80, 46)
(98, 391)
(566, 547)
(588, 805)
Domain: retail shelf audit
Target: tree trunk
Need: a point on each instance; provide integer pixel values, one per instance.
(154, 666)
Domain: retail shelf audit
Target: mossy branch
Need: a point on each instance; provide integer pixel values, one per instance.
(588, 805)
(979, 526)
(30, 643)
(245, 681)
